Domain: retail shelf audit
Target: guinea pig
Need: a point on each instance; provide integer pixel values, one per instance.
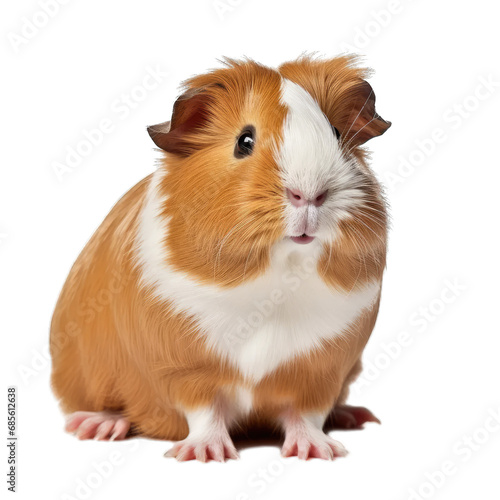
(236, 286)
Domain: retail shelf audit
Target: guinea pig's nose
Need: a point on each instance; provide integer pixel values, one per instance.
(319, 199)
(299, 200)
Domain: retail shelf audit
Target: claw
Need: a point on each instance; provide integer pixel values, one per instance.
(97, 425)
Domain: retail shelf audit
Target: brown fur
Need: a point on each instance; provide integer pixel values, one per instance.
(115, 347)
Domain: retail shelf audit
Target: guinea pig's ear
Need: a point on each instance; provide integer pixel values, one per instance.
(178, 136)
(359, 121)
(342, 93)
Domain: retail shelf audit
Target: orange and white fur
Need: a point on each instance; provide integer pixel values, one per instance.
(237, 285)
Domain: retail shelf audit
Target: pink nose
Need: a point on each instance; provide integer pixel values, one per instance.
(299, 200)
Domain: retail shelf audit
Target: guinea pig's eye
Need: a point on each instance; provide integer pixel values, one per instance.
(245, 143)
(336, 132)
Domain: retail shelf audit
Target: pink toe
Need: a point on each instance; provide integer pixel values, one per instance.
(186, 453)
(74, 420)
(88, 427)
(104, 430)
(303, 453)
(231, 452)
(120, 430)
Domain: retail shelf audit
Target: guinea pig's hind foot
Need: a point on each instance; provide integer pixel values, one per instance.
(99, 425)
(352, 417)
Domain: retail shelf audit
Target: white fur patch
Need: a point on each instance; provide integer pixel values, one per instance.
(201, 423)
(243, 400)
(257, 326)
(311, 161)
(310, 148)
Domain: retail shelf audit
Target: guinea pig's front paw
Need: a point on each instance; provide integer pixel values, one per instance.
(218, 448)
(311, 444)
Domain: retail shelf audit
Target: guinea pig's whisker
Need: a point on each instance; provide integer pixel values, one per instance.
(359, 113)
(356, 218)
(349, 150)
(249, 254)
(220, 246)
(371, 218)
(361, 252)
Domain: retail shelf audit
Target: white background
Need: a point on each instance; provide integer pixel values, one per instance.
(434, 394)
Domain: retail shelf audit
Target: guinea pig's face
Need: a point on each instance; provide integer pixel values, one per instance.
(254, 159)
(322, 184)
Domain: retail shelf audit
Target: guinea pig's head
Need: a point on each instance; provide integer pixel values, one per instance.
(259, 159)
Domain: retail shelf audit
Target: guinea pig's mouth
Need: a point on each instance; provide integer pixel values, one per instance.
(302, 239)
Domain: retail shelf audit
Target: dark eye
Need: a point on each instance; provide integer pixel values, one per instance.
(336, 132)
(245, 143)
